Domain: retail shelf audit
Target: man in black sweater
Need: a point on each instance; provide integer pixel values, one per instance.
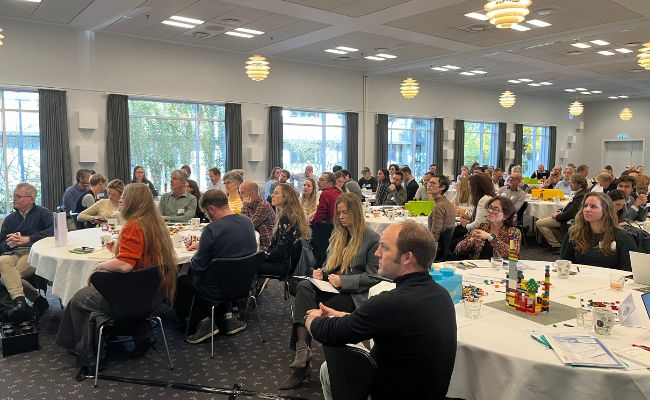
(413, 326)
(22, 228)
(410, 183)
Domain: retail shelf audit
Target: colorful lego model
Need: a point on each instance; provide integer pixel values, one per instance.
(522, 295)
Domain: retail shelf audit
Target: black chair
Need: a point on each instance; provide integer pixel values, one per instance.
(444, 244)
(294, 257)
(237, 278)
(320, 240)
(520, 222)
(130, 296)
(351, 371)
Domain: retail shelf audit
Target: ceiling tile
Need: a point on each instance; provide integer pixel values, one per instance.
(60, 12)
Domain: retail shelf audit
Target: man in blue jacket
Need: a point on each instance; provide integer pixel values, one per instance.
(28, 224)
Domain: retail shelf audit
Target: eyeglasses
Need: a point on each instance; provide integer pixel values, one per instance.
(17, 197)
(494, 210)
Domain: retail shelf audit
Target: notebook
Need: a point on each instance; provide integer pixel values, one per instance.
(646, 302)
(640, 267)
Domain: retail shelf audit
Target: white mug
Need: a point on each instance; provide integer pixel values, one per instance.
(195, 222)
(563, 268)
(180, 211)
(604, 320)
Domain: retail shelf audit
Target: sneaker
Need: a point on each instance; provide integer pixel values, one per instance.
(232, 326)
(203, 332)
(262, 286)
(21, 311)
(40, 305)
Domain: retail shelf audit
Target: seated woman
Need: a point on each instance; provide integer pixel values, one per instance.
(291, 224)
(139, 177)
(492, 238)
(90, 196)
(482, 191)
(351, 267)
(383, 182)
(595, 237)
(463, 195)
(143, 242)
(104, 208)
(274, 178)
(309, 196)
(232, 180)
(192, 188)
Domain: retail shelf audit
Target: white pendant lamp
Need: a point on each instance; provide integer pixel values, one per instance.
(507, 99)
(257, 68)
(506, 13)
(409, 88)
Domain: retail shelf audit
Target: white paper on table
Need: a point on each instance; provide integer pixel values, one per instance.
(60, 230)
(323, 286)
(627, 314)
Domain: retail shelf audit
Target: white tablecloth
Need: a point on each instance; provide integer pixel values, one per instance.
(379, 224)
(542, 209)
(496, 360)
(69, 272)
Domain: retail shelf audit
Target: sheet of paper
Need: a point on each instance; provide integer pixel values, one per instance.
(628, 315)
(323, 286)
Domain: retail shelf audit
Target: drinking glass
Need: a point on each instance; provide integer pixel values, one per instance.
(563, 268)
(616, 281)
(584, 318)
(497, 262)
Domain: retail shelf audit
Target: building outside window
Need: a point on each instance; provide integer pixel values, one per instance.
(20, 158)
(165, 135)
(411, 142)
(481, 143)
(313, 138)
(536, 148)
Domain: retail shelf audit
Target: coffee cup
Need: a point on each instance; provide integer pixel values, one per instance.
(604, 320)
(112, 221)
(195, 222)
(563, 268)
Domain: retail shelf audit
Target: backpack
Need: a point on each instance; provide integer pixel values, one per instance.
(641, 237)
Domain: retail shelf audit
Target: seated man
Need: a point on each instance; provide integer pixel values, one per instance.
(553, 228)
(327, 201)
(635, 206)
(553, 178)
(422, 193)
(73, 193)
(413, 326)
(228, 235)
(497, 179)
(367, 181)
(20, 230)
(565, 182)
(178, 205)
(409, 183)
(215, 181)
(397, 194)
(345, 182)
(513, 191)
(258, 210)
(299, 179)
(540, 173)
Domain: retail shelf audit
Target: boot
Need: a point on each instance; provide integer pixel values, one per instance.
(303, 355)
(20, 311)
(296, 378)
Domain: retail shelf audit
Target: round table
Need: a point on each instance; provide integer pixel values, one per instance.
(380, 223)
(543, 208)
(69, 272)
(495, 359)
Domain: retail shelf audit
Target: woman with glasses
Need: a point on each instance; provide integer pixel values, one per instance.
(139, 177)
(595, 237)
(232, 180)
(492, 238)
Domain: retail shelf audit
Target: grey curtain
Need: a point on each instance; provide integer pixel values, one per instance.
(381, 141)
(519, 143)
(459, 145)
(275, 136)
(233, 136)
(56, 171)
(439, 142)
(352, 141)
(552, 144)
(118, 148)
(501, 155)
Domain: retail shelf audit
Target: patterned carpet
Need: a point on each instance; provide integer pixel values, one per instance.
(49, 372)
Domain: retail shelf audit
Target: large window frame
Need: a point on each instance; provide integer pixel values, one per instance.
(202, 124)
(411, 141)
(20, 139)
(535, 148)
(486, 136)
(325, 127)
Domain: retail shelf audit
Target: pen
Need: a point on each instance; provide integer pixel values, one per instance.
(540, 341)
(646, 348)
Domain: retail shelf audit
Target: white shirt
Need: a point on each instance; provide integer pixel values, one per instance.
(219, 186)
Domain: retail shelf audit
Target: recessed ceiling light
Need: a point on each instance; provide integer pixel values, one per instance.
(599, 42)
(546, 83)
(606, 53)
(250, 31)
(451, 67)
(187, 20)
(581, 45)
(33, 1)
(479, 72)
(613, 97)
(534, 84)
(585, 92)
(477, 15)
(335, 51)
(545, 11)
(569, 90)
(580, 89)
(382, 55)
(623, 50)
(466, 73)
(374, 58)
(349, 49)
(179, 24)
(520, 28)
(635, 70)
(538, 23)
(439, 69)
(596, 91)
(622, 97)
(525, 80)
(239, 34)
(514, 81)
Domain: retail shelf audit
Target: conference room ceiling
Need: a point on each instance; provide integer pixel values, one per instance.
(421, 34)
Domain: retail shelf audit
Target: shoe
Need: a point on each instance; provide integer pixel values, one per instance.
(40, 305)
(262, 286)
(303, 355)
(20, 311)
(203, 332)
(233, 325)
(88, 372)
(142, 347)
(296, 378)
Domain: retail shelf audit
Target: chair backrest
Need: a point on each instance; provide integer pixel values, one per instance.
(320, 240)
(294, 256)
(444, 244)
(520, 213)
(129, 294)
(351, 372)
(235, 276)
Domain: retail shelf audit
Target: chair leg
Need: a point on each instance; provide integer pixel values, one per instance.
(189, 317)
(212, 335)
(259, 319)
(162, 331)
(99, 349)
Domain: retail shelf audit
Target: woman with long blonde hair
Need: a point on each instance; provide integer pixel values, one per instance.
(144, 242)
(309, 196)
(351, 267)
(595, 237)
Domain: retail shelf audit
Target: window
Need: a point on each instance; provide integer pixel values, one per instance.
(481, 144)
(166, 135)
(411, 142)
(312, 138)
(535, 151)
(20, 158)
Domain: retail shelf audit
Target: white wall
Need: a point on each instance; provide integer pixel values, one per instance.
(90, 66)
